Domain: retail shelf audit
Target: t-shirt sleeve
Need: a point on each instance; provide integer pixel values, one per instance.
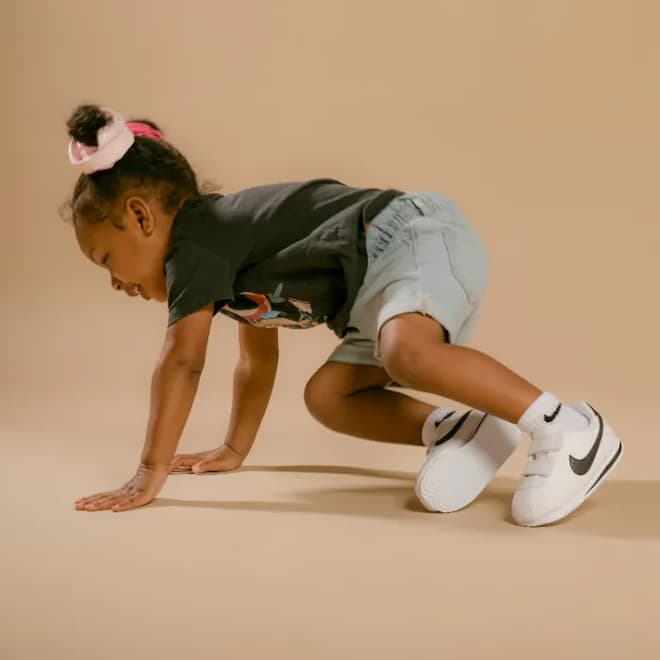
(195, 277)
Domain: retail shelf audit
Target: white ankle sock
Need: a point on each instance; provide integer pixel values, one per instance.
(547, 411)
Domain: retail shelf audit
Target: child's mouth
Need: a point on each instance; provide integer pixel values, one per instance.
(135, 290)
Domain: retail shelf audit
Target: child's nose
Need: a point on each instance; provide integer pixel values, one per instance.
(116, 283)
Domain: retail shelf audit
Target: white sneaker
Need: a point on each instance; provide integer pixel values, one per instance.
(564, 468)
(464, 453)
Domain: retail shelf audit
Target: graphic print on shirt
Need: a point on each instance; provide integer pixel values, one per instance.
(272, 310)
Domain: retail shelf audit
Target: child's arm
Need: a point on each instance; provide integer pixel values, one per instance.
(174, 385)
(254, 377)
(173, 388)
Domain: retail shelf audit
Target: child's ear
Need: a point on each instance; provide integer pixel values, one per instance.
(140, 213)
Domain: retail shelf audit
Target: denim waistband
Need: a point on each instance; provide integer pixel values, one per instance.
(399, 212)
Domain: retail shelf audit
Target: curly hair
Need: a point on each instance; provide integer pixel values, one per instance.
(153, 164)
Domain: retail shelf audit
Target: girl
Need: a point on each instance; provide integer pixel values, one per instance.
(399, 277)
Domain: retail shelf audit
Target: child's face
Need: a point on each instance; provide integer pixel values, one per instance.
(134, 254)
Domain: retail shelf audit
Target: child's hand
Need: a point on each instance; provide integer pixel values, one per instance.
(138, 491)
(222, 459)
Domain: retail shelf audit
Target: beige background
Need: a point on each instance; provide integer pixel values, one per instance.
(541, 119)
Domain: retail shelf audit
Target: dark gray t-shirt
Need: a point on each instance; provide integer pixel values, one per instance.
(287, 254)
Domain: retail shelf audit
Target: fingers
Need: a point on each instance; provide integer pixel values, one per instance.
(184, 461)
(217, 460)
(139, 490)
(210, 465)
(118, 501)
(101, 503)
(93, 499)
(131, 502)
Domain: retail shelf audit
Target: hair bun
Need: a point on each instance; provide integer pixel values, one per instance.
(85, 122)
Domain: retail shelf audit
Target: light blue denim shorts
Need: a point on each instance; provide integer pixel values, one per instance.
(423, 256)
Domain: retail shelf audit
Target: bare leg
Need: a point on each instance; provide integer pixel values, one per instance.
(351, 399)
(415, 354)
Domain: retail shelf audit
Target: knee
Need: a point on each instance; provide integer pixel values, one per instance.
(404, 351)
(402, 359)
(321, 398)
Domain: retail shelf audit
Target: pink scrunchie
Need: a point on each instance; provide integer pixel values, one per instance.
(144, 130)
(114, 140)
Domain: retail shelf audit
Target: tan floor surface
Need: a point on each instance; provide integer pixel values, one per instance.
(317, 548)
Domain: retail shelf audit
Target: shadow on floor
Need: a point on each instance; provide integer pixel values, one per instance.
(624, 509)
(323, 469)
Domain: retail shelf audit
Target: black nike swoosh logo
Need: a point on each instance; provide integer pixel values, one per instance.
(607, 467)
(582, 465)
(549, 418)
(447, 416)
(454, 430)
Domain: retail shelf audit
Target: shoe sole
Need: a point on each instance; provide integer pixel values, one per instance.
(450, 480)
(571, 505)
